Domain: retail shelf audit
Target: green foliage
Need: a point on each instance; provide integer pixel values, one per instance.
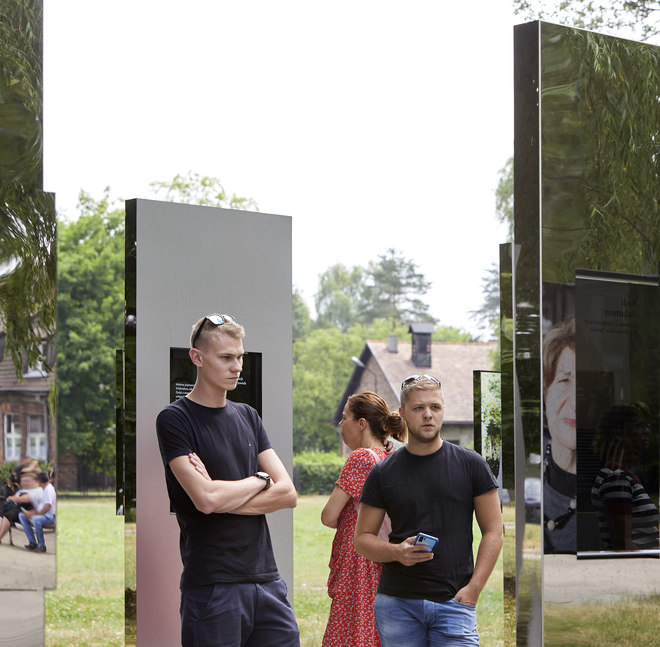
(619, 105)
(5, 472)
(489, 312)
(7, 468)
(636, 17)
(194, 188)
(392, 285)
(91, 315)
(601, 169)
(386, 289)
(449, 333)
(338, 300)
(27, 215)
(380, 329)
(27, 274)
(21, 89)
(321, 369)
(504, 196)
(302, 320)
(316, 472)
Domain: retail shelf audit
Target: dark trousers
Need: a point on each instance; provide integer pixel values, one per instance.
(238, 615)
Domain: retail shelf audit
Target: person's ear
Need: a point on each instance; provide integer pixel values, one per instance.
(195, 356)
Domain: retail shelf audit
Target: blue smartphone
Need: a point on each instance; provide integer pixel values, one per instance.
(426, 540)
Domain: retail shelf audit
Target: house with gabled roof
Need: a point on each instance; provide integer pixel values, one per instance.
(383, 365)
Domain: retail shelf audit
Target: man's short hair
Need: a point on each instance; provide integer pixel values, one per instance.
(209, 329)
(420, 383)
(42, 477)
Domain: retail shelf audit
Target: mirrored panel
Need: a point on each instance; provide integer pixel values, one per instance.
(617, 403)
(28, 446)
(585, 185)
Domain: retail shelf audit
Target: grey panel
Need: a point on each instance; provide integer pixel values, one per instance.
(191, 261)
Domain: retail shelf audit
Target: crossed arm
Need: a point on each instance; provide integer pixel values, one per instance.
(245, 496)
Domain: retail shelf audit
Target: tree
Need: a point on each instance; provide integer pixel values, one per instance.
(504, 196)
(637, 18)
(27, 274)
(450, 333)
(302, 320)
(338, 298)
(392, 285)
(91, 314)
(90, 311)
(27, 215)
(194, 188)
(321, 370)
(612, 148)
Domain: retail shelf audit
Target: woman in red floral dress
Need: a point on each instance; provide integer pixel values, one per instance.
(365, 426)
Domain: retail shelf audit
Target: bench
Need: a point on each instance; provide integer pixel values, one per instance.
(17, 526)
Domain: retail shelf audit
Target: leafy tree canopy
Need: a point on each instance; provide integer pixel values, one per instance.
(27, 214)
(630, 18)
(387, 289)
(90, 309)
(193, 188)
(321, 370)
(392, 289)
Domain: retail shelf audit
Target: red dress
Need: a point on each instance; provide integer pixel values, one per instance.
(353, 579)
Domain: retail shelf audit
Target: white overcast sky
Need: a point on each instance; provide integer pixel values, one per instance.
(373, 124)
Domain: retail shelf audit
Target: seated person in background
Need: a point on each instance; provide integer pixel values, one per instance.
(627, 515)
(26, 464)
(41, 515)
(28, 497)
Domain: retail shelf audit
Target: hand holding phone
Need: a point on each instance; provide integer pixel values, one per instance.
(429, 541)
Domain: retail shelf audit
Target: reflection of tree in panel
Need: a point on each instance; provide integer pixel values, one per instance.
(600, 130)
(491, 422)
(27, 215)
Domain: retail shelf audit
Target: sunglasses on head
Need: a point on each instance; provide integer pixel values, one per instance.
(414, 378)
(216, 320)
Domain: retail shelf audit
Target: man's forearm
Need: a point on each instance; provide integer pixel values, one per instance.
(489, 550)
(370, 546)
(277, 497)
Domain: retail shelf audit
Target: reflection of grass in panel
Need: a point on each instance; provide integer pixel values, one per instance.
(627, 623)
(130, 580)
(87, 608)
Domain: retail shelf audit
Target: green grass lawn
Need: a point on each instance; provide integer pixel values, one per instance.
(87, 608)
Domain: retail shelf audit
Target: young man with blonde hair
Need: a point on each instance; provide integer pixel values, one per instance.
(222, 477)
(428, 597)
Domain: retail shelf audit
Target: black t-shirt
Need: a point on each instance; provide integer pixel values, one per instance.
(217, 547)
(432, 494)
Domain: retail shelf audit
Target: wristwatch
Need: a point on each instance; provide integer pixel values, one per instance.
(265, 477)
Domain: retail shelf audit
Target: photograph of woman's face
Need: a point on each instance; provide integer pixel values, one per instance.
(560, 403)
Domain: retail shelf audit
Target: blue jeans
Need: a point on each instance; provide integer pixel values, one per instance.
(238, 615)
(38, 522)
(422, 623)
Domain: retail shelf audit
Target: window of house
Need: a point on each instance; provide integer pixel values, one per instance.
(37, 440)
(12, 437)
(38, 369)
